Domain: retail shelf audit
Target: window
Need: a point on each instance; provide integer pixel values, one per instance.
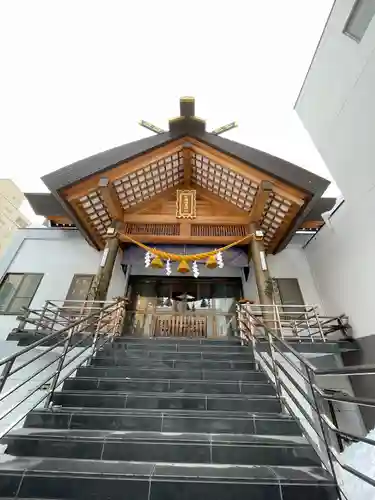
(359, 19)
(21, 223)
(80, 287)
(18, 290)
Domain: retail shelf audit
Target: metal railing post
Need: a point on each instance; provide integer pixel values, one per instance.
(279, 321)
(24, 318)
(311, 335)
(5, 373)
(275, 368)
(60, 366)
(42, 315)
(319, 325)
(325, 436)
(93, 348)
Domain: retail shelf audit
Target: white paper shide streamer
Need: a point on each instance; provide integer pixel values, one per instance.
(168, 268)
(148, 258)
(219, 259)
(195, 269)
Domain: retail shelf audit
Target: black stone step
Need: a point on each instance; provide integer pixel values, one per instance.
(72, 479)
(173, 386)
(170, 373)
(163, 355)
(178, 364)
(166, 401)
(180, 341)
(177, 347)
(159, 447)
(165, 421)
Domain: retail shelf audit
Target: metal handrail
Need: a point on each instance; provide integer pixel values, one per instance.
(93, 326)
(50, 336)
(303, 320)
(324, 424)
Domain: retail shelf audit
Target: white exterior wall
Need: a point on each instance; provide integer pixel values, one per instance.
(292, 263)
(337, 107)
(289, 263)
(58, 255)
(341, 258)
(337, 104)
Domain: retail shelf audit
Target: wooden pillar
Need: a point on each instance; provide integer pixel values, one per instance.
(258, 256)
(104, 274)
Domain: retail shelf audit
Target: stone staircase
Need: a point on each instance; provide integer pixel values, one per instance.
(164, 419)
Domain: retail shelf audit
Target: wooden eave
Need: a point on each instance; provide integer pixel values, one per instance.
(139, 193)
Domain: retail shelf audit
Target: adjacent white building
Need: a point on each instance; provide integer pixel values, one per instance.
(337, 107)
(11, 217)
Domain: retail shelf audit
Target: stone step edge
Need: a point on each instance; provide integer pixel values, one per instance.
(180, 380)
(167, 368)
(242, 473)
(153, 395)
(254, 440)
(154, 360)
(142, 412)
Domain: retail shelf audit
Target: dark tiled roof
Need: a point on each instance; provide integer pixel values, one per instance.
(192, 127)
(100, 162)
(45, 204)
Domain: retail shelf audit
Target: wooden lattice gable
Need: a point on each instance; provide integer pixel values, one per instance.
(118, 184)
(185, 163)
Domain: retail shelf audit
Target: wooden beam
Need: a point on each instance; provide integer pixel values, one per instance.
(82, 216)
(171, 219)
(188, 169)
(211, 240)
(117, 171)
(311, 224)
(286, 191)
(59, 219)
(110, 198)
(284, 227)
(260, 200)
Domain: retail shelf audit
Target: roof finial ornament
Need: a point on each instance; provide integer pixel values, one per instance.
(187, 120)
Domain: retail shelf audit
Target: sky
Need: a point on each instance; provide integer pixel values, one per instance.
(77, 76)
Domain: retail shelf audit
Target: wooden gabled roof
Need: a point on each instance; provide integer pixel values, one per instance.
(117, 183)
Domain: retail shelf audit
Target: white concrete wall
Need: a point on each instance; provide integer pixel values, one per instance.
(289, 263)
(337, 107)
(337, 104)
(292, 263)
(341, 258)
(58, 255)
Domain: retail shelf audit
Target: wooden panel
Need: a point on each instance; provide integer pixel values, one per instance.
(171, 219)
(153, 205)
(222, 230)
(152, 229)
(180, 326)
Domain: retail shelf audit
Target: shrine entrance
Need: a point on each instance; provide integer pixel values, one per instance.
(183, 307)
